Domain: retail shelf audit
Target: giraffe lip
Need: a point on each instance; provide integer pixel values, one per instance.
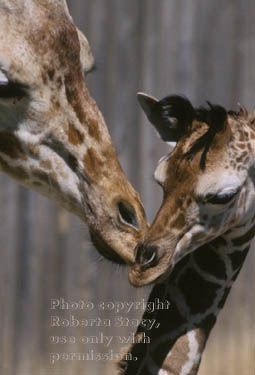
(151, 273)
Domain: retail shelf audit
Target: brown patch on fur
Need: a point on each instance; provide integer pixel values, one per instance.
(109, 153)
(241, 145)
(11, 146)
(61, 50)
(73, 97)
(55, 103)
(34, 150)
(179, 222)
(93, 130)
(92, 163)
(74, 135)
(46, 164)
(178, 356)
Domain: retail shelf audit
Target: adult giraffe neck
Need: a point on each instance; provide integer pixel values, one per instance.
(196, 291)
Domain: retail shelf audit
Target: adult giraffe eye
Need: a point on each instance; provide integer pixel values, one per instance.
(9, 89)
(127, 214)
(222, 198)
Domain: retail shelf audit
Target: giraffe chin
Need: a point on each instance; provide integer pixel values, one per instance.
(139, 277)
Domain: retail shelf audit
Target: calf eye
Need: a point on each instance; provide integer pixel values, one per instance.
(222, 198)
(127, 214)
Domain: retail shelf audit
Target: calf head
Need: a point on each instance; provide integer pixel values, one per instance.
(207, 180)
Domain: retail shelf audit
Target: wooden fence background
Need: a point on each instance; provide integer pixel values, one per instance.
(203, 49)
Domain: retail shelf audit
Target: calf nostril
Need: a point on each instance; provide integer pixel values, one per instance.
(146, 255)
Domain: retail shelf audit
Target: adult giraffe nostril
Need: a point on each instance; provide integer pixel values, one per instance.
(146, 255)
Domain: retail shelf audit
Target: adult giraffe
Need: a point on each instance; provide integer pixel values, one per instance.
(53, 139)
(200, 237)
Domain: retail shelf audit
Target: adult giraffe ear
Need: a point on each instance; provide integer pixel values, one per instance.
(87, 59)
(170, 116)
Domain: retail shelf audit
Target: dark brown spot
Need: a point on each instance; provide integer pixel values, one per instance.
(74, 135)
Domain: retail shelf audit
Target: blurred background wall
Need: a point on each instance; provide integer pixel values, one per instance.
(202, 49)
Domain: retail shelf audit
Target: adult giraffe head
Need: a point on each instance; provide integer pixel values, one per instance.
(53, 138)
(208, 183)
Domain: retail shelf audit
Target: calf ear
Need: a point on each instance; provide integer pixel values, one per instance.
(171, 116)
(165, 125)
(148, 104)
